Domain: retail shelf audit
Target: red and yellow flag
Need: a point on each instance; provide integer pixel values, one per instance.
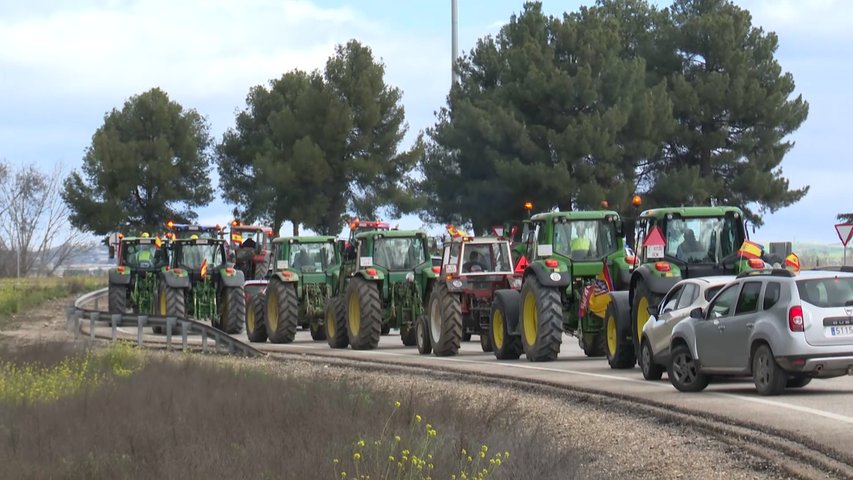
(792, 262)
(158, 242)
(236, 237)
(204, 268)
(749, 250)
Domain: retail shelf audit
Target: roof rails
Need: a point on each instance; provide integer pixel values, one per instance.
(776, 272)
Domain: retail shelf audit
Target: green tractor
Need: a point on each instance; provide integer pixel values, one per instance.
(133, 282)
(564, 285)
(200, 283)
(384, 280)
(304, 270)
(673, 244)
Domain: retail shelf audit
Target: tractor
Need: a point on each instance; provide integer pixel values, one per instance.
(383, 281)
(673, 244)
(472, 270)
(567, 264)
(252, 248)
(133, 283)
(305, 268)
(200, 283)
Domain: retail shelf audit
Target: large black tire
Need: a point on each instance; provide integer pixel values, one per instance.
(504, 310)
(232, 312)
(422, 335)
(541, 321)
(595, 347)
(386, 329)
(486, 341)
(364, 314)
(466, 337)
(170, 303)
(261, 270)
(684, 372)
(445, 321)
(318, 330)
(642, 299)
(409, 334)
(651, 370)
(256, 328)
(336, 323)
(619, 348)
(282, 311)
(768, 376)
(118, 298)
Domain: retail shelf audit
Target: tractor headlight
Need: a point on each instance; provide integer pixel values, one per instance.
(410, 277)
(456, 283)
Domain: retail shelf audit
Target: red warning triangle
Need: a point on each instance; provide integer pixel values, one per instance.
(521, 265)
(655, 238)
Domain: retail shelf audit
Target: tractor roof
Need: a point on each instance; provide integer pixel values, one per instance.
(690, 211)
(250, 228)
(478, 240)
(391, 233)
(199, 241)
(305, 239)
(576, 215)
(139, 240)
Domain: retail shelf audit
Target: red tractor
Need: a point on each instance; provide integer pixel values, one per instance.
(252, 249)
(472, 269)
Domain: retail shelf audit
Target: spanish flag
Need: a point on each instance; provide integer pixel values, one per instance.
(792, 262)
(749, 250)
(204, 268)
(454, 232)
(158, 242)
(236, 237)
(602, 287)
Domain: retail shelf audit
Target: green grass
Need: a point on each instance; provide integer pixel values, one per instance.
(21, 295)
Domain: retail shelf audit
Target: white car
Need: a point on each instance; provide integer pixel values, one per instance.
(683, 297)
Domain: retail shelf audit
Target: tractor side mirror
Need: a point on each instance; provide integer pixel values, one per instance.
(697, 313)
(620, 228)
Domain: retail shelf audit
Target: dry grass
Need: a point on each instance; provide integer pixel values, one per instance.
(192, 417)
(20, 295)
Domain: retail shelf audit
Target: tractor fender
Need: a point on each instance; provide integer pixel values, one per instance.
(376, 277)
(548, 277)
(175, 280)
(511, 301)
(622, 308)
(658, 285)
(286, 276)
(235, 278)
(119, 278)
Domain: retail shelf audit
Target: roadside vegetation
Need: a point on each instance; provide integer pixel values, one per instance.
(68, 412)
(25, 293)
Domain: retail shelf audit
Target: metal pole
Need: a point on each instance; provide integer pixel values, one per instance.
(454, 36)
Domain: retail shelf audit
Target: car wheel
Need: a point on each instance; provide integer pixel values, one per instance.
(651, 370)
(684, 371)
(769, 378)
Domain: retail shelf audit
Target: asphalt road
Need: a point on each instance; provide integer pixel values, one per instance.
(821, 412)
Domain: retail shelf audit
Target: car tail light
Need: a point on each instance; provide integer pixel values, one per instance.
(755, 263)
(795, 318)
(551, 263)
(371, 271)
(663, 266)
(436, 269)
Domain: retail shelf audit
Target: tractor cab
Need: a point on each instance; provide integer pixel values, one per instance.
(142, 253)
(252, 249)
(469, 257)
(199, 256)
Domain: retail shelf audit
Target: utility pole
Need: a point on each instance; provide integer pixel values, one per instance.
(454, 35)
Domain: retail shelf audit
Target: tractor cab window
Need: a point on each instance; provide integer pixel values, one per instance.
(399, 253)
(192, 257)
(141, 255)
(453, 253)
(702, 239)
(585, 239)
(486, 258)
(248, 239)
(311, 257)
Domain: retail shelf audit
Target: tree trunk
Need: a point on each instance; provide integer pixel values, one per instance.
(295, 229)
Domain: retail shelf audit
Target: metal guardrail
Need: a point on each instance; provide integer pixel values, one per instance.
(86, 308)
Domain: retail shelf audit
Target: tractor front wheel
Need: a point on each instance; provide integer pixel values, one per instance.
(619, 349)
(364, 314)
(318, 330)
(170, 303)
(256, 328)
(594, 345)
(422, 334)
(485, 340)
(504, 310)
(282, 312)
(541, 321)
(233, 311)
(445, 321)
(336, 323)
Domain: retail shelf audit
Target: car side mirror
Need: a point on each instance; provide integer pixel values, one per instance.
(697, 313)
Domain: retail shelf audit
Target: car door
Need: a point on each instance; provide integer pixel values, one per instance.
(737, 329)
(711, 349)
(661, 330)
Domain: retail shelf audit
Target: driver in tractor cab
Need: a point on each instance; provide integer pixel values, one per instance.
(581, 243)
(690, 246)
(475, 263)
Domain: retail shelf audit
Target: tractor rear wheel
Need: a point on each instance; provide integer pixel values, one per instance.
(256, 329)
(541, 321)
(504, 311)
(282, 311)
(118, 299)
(594, 345)
(445, 321)
(364, 314)
(422, 334)
(233, 310)
(620, 350)
(318, 330)
(386, 328)
(336, 323)
(261, 270)
(466, 337)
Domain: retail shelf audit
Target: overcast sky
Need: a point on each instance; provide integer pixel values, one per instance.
(65, 64)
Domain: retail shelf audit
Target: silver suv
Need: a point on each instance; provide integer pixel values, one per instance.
(781, 328)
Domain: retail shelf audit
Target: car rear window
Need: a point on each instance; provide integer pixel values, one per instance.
(827, 292)
(709, 294)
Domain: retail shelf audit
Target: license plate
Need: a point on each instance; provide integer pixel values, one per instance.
(842, 331)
